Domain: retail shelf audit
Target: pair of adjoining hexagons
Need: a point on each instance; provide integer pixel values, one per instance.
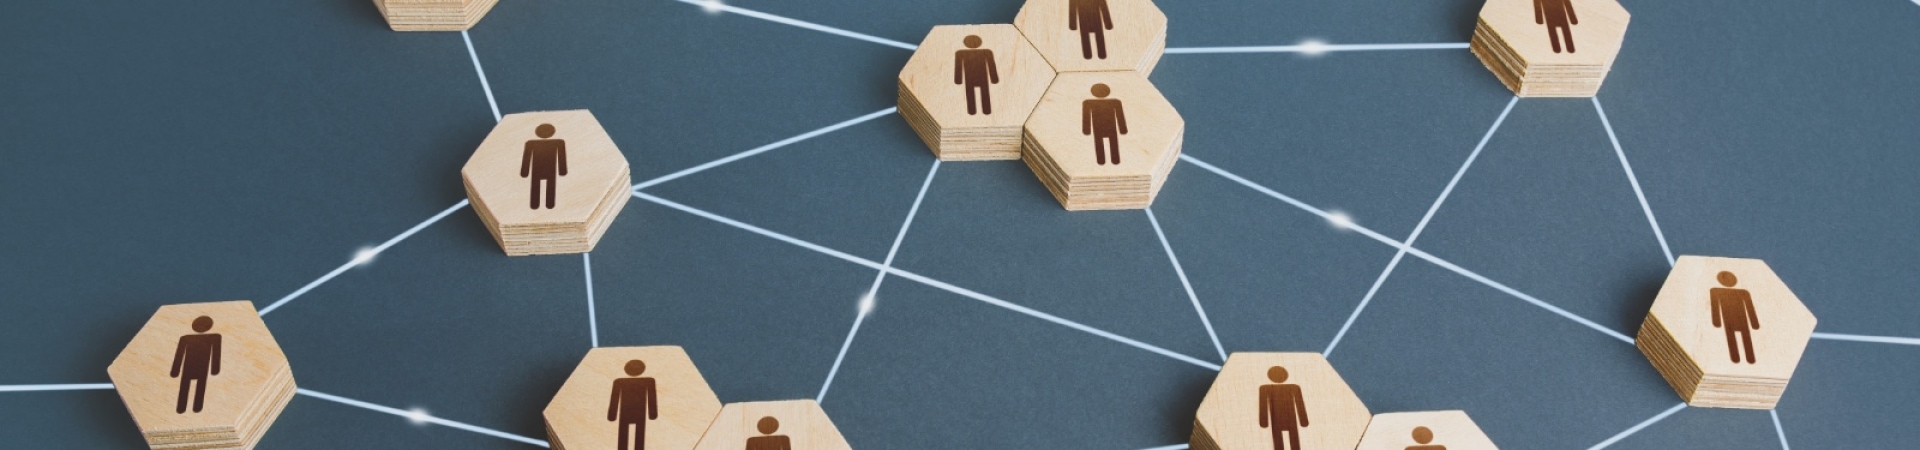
(654, 398)
(1063, 88)
(1297, 401)
(433, 15)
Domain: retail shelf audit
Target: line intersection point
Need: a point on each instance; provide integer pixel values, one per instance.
(1637, 427)
(867, 302)
(1188, 286)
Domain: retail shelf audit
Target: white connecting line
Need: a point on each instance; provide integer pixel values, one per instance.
(1636, 428)
(1364, 231)
(1184, 446)
(716, 5)
(1635, 181)
(1184, 284)
(483, 75)
(363, 257)
(764, 148)
(983, 298)
(1417, 228)
(54, 387)
(1865, 338)
(1777, 429)
(593, 320)
(418, 416)
(867, 302)
(1315, 48)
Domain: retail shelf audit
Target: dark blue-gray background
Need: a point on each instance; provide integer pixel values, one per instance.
(168, 152)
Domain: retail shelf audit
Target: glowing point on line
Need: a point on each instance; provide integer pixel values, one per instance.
(364, 256)
(711, 6)
(866, 304)
(1313, 47)
(1340, 219)
(418, 416)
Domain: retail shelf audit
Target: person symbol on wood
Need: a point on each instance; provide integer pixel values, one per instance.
(1556, 14)
(1102, 118)
(770, 441)
(635, 401)
(1424, 437)
(197, 358)
(1733, 311)
(973, 69)
(1093, 19)
(1283, 409)
(544, 159)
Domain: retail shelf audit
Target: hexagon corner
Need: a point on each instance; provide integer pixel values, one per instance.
(433, 15)
(787, 424)
(1550, 48)
(547, 182)
(203, 375)
(1095, 35)
(1103, 140)
(620, 394)
(1726, 332)
(968, 89)
(1261, 399)
(1448, 430)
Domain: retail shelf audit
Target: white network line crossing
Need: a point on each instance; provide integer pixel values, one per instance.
(868, 301)
(1184, 284)
(1417, 228)
(1637, 427)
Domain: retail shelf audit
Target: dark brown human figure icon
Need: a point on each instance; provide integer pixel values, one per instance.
(1733, 311)
(635, 401)
(196, 360)
(1424, 437)
(1102, 118)
(544, 160)
(770, 441)
(1093, 19)
(1282, 409)
(973, 69)
(1556, 14)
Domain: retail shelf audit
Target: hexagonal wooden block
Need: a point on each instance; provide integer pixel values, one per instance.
(781, 425)
(1726, 332)
(1550, 48)
(631, 397)
(1103, 140)
(433, 15)
(968, 88)
(1095, 35)
(547, 182)
(1425, 430)
(203, 376)
(1262, 400)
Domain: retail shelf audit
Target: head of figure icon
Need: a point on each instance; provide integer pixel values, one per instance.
(635, 368)
(545, 130)
(1277, 374)
(1100, 90)
(1727, 279)
(768, 425)
(1422, 435)
(202, 324)
(972, 41)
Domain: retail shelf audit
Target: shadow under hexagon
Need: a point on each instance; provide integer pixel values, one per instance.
(932, 369)
(1433, 340)
(764, 319)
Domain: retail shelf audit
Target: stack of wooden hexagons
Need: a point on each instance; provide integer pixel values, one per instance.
(547, 182)
(1550, 48)
(203, 376)
(1074, 102)
(433, 15)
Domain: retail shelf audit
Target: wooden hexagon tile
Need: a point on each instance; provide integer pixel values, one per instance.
(649, 398)
(968, 88)
(1726, 332)
(547, 182)
(1550, 48)
(433, 15)
(1096, 35)
(1283, 401)
(1103, 140)
(203, 376)
(778, 425)
(1425, 430)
